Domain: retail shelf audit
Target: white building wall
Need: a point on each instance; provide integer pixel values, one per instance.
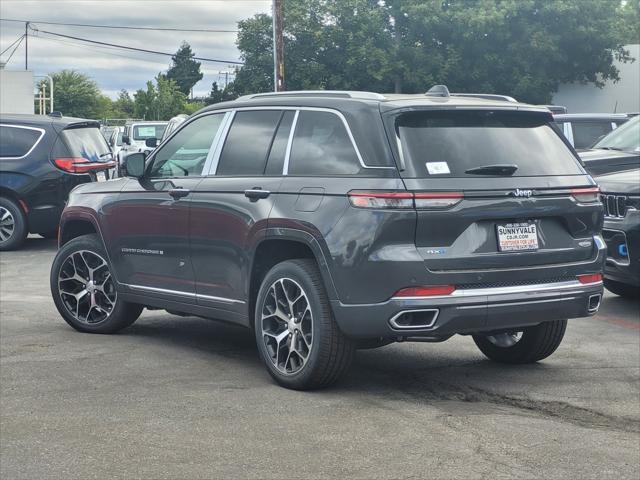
(16, 91)
(620, 97)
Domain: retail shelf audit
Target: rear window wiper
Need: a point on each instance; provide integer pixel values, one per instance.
(499, 169)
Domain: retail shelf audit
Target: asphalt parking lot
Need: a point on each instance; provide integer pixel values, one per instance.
(187, 398)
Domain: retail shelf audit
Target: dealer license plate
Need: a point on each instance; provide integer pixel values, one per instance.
(517, 236)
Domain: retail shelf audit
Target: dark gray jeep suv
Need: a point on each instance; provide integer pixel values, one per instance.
(331, 221)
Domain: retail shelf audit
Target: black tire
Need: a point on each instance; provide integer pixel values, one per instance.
(536, 343)
(330, 353)
(14, 231)
(121, 313)
(622, 289)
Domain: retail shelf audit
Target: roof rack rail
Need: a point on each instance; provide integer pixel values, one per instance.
(487, 96)
(318, 93)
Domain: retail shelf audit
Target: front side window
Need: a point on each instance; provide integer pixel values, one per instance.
(186, 152)
(586, 134)
(477, 143)
(321, 146)
(626, 137)
(16, 142)
(248, 142)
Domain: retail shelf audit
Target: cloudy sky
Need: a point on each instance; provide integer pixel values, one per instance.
(114, 69)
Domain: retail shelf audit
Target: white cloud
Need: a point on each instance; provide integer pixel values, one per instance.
(115, 69)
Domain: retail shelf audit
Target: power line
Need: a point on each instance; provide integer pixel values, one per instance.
(122, 27)
(144, 50)
(14, 49)
(16, 41)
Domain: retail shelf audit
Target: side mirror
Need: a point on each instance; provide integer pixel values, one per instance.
(151, 142)
(133, 165)
(126, 140)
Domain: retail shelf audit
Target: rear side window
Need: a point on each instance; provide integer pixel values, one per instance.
(86, 143)
(16, 142)
(321, 146)
(585, 134)
(454, 144)
(248, 142)
(279, 145)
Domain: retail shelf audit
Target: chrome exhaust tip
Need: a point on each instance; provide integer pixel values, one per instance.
(593, 304)
(415, 319)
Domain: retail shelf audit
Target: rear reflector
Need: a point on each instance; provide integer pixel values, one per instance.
(586, 195)
(429, 291)
(590, 278)
(404, 200)
(81, 165)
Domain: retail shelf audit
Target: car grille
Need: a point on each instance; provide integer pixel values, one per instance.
(517, 283)
(615, 206)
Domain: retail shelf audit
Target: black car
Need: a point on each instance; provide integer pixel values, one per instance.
(619, 150)
(41, 159)
(329, 221)
(584, 129)
(621, 232)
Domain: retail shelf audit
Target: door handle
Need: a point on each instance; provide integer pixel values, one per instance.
(178, 193)
(256, 193)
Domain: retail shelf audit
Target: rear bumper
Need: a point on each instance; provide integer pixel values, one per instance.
(473, 310)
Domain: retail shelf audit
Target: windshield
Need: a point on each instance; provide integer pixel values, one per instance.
(625, 137)
(86, 143)
(142, 132)
(482, 143)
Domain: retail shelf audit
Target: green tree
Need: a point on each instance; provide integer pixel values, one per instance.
(160, 101)
(76, 95)
(184, 70)
(124, 103)
(218, 95)
(523, 48)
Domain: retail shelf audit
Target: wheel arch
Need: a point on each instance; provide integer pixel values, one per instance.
(279, 245)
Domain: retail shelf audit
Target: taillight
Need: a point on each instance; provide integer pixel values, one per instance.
(404, 200)
(590, 278)
(437, 199)
(426, 291)
(381, 199)
(81, 165)
(586, 195)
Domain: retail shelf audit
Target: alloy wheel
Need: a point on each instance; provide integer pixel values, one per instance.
(287, 326)
(505, 340)
(86, 287)
(7, 224)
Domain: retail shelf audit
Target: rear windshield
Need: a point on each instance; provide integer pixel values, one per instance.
(86, 143)
(460, 143)
(142, 132)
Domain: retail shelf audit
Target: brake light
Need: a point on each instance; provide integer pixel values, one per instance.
(381, 199)
(428, 291)
(81, 165)
(404, 200)
(590, 278)
(586, 195)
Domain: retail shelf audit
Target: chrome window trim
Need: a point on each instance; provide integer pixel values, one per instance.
(24, 127)
(181, 293)
(311, 109)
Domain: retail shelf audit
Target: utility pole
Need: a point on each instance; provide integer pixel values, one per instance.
(278, 47)
(26, 46)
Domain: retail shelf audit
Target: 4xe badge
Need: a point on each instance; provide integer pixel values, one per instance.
(522, 193)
